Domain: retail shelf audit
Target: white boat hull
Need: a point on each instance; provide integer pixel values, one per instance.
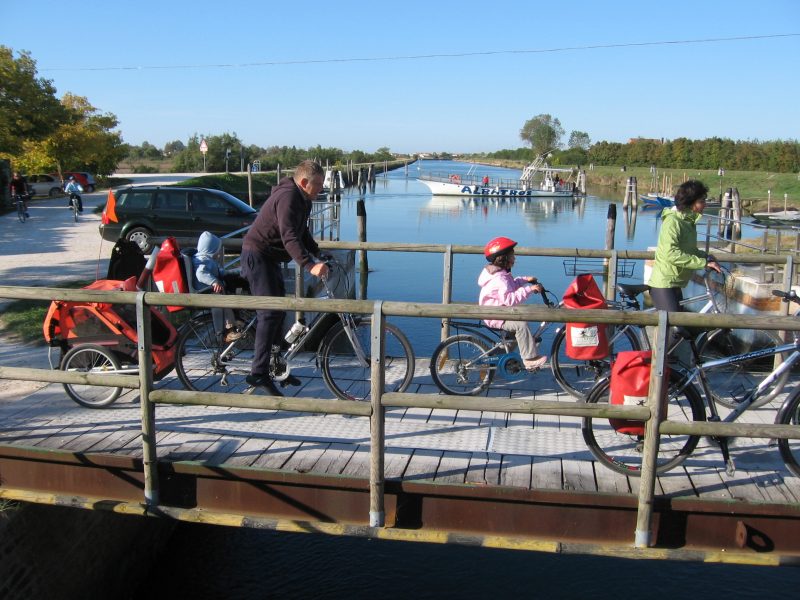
(439, 188)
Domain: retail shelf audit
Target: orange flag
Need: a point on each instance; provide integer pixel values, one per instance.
(109, 212)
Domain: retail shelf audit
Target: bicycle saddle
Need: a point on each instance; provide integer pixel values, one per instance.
(631, 290)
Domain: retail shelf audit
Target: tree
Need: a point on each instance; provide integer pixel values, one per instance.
(543, 133)
(579, 139)
(85, 142)
(174, 147)
(29, 109)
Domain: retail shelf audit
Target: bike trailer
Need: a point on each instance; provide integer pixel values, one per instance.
(585, 341)
(630, 385)
(68, 324)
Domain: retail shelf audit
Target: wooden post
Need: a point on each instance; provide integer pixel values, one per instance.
(724, 214)
(736, 226)
(611, 281)
(278, 173)
(647, 482)
(447, 288)
(249, 184)
(361, 226)
(145, 356)
(377, 438)
(769, 199)
(634, 193)
(625, 199)
(611, 225)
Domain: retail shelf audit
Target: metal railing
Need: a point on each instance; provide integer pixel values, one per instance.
(379, 310)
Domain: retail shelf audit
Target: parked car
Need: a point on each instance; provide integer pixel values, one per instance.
(45, 185)
(84, 178)
(145, 212)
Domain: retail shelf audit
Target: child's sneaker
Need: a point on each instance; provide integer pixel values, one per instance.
(231, 335)
(535, 363)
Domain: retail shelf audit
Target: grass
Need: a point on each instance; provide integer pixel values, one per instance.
(22, 320)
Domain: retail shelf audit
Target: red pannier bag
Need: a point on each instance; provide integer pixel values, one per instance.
(168, 274)
(630, 386)
(585, 341)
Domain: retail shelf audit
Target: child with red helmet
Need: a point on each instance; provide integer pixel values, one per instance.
(500, 288)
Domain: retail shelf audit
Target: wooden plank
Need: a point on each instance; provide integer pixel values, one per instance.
(358, 465)
(578, 475)
(453, 467)
(117, 440)
(221, 450)
(334, 458)
(610, 481)
(395, 462)
(246, 454)
(546, 473)
(476, 468)
(515, 471)
(708, 484)
(306, 456)
(423, 465)
(193, 446)
(676, 483)
(277, 454)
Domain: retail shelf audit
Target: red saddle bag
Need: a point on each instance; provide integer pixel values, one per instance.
(630, 386)
(585, 341)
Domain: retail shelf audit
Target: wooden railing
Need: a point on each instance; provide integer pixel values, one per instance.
(375, 410)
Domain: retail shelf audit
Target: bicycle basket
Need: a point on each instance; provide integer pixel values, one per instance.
(597, 266)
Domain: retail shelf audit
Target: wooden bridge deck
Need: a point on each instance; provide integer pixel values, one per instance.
(442, 446)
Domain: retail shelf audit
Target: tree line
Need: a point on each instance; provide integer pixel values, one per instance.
(544, 134)
(226, 152)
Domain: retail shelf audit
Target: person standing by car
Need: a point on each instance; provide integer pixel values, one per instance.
(279, 234)
(677, 254)
(74, 189)
(19, 187)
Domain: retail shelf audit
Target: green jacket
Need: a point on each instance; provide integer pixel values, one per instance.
(677, 255)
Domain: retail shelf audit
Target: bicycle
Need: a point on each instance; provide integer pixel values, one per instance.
(690, 401)
(578, 376)
(22, 211)
(204, 362)
(465, 364)
(73, 205)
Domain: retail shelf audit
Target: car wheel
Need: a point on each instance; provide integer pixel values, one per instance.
(89, 189)
(141, 236)
(55, 192)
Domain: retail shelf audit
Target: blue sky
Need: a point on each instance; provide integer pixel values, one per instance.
(121, 55)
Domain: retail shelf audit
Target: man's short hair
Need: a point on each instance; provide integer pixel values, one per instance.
(690, 192)
(307, 170)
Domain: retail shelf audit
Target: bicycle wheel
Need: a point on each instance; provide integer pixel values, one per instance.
(75, 211)
(205, 364)
(20, 212)
(731, 382)
(347, 376)
(89, 358)
(577, 377)
(459, 366)
(622, 452)
(790, 449)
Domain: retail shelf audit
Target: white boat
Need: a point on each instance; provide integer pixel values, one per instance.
(537, 179)
(781, 215)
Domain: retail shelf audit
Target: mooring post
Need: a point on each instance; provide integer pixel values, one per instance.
(736, 231)
(278, 173)
(611, 225)
(377, 437)
(658, 390)
(627, 193)
(361, 227)
(634, 192)
(249, 184)
(149, 452)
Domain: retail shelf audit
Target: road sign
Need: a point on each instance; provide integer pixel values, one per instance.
(203, 146)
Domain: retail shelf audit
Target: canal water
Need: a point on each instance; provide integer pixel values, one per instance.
(204, 561)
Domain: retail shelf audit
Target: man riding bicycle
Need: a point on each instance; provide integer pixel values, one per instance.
(19, 190)
(74, 189)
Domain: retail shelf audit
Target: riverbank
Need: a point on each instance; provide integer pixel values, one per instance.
(752, 185)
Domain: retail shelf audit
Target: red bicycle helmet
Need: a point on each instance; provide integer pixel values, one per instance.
(497, 247)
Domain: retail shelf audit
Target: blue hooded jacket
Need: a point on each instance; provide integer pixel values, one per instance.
(207, 261)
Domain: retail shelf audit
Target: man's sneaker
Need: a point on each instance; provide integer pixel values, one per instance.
(263, 381)
(535, 363)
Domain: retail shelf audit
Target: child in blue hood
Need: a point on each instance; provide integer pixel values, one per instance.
(208, 271)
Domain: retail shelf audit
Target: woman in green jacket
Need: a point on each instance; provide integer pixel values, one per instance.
(677, 254)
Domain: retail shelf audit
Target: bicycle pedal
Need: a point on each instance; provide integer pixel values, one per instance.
(290, 380)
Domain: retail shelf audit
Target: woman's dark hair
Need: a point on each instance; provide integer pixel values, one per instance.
(690, 192)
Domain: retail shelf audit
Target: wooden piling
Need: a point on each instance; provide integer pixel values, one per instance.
(736, 225)
(725, 214)
(278, 172)
(361, 224)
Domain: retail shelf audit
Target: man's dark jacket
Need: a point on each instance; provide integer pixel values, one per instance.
(280, 232)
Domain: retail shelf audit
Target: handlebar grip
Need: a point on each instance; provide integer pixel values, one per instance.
(779, 293)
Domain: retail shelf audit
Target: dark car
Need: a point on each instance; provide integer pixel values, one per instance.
(145, 212)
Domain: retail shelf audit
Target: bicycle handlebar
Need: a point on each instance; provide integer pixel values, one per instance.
(790, 296)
